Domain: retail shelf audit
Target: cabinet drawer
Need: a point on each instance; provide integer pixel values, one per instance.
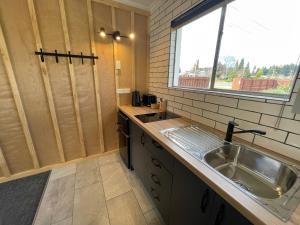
(159, 182)
(160, 153)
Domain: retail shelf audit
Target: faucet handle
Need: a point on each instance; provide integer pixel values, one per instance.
(233, 123)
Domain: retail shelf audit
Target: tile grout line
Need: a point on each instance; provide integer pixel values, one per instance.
(99, 167)
(75, 176)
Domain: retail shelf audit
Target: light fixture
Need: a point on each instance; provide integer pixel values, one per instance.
(116, 35)
(102, 32)
(131, 35)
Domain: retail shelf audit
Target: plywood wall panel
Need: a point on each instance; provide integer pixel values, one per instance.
(20, 42)
(104, 50)
(50, 26)
(77, 19)
(12, 139)
(123, 24)
(141, 53)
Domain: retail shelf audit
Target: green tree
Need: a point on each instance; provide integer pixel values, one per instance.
(242, 64)
(259, 73)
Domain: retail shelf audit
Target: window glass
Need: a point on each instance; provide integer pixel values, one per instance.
(260, 46)
(195, 51)
(258, 49)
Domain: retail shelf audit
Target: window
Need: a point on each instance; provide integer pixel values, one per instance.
(245, 47)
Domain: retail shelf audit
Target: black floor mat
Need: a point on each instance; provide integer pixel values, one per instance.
(19, 199)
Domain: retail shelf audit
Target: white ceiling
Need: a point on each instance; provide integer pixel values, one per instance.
(142, 4)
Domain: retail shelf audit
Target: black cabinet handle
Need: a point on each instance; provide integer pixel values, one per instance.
(156, 163)
(205, 201)
(220, 215)
(154, 194)
(123, 116)
(156, 144)
(123, 133)
(155, 179)
(143, 139)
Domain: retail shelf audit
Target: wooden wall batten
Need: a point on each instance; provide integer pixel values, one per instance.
(96, 75)
(132, 28)
(59, 112)
(46, 80)
(3, 164)
(17, 98)
(72, 77)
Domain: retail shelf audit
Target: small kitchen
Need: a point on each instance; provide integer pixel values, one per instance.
(137, 112)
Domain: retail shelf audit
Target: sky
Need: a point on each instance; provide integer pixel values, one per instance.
(264, 32)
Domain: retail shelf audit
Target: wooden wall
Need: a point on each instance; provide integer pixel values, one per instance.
(54, 112)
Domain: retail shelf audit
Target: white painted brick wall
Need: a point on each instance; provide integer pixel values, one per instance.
(215, 110)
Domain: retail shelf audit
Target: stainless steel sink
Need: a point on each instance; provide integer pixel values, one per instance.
(255, 172)
(272, 182)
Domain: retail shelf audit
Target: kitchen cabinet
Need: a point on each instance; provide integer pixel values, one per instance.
(192, 200)
(194, 203)
(225, 214)
(137, 150)
(179, 195)
(150, 161)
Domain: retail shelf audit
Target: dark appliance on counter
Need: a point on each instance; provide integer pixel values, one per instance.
(136, 98)
(124, 138)
(149, 99)
(152, 117)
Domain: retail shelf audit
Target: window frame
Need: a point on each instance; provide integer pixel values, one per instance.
(211, 89)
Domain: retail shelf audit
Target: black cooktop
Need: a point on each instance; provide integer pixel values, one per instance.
(152, 117)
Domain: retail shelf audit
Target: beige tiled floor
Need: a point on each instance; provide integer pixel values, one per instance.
(97, 191)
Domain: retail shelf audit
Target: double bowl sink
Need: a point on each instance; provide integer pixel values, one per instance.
(272, 182)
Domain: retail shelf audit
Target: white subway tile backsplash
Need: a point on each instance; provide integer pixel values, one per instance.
(260, 107)
(192, 110)
(194, 96)
(232, 102)
(205, 105)
(221, 127)
(294, 140)
(217, 117)
(241, 114)
(272, 133)
(203, 120)
(184, 101)
(283, 124)
(182, 113)
(278, 147)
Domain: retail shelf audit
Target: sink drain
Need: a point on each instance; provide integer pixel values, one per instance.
(242, 185)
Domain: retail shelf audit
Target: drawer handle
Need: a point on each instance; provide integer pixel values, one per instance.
(155, 179)
(156, 145)
(205, 201)
(155, 162)
(154, 194)
(220, 215)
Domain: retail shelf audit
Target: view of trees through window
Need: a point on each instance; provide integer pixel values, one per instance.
(258, 51)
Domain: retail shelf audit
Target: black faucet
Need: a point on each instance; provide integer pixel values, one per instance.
(230, 131)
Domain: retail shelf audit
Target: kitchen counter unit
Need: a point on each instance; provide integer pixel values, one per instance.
(237, 198)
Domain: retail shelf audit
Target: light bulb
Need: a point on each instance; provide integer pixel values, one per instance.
(102, 32)
(131, 36)
(118, 38)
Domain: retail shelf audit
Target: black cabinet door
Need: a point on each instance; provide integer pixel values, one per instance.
(192, 199)
(137, 140)
(224, 214)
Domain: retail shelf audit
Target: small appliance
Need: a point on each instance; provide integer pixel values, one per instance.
(149, 99)
(136, 98)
